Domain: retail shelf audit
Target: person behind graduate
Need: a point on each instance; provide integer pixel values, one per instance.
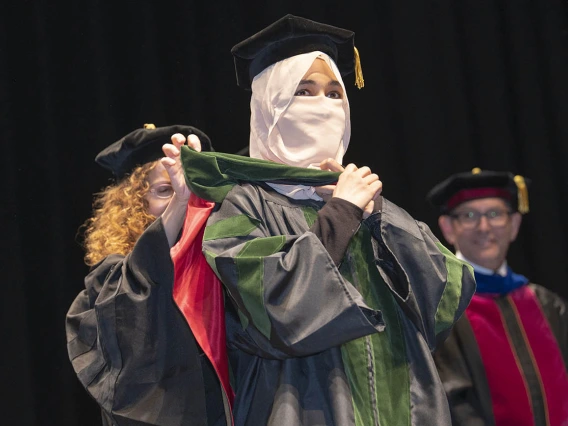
(505, 361)
(332, 308)
(126, 338)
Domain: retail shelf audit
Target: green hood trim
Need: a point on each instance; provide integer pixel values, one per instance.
(450, 301)
(211, 175)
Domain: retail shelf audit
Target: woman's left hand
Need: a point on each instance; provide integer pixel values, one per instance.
(172, 163)
(326, 191)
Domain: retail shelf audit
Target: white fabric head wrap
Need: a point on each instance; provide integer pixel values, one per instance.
(272, 92)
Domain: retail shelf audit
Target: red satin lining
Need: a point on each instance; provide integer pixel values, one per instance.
(198, 292)
(474, 193)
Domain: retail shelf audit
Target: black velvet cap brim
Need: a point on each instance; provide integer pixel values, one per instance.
(287, 37)
(142, 146)
(440, 195)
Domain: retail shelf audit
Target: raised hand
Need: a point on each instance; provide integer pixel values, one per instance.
(356, 185)
(172, 163)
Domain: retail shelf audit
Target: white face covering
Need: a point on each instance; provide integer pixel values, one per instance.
(298, 131)
(312, 130)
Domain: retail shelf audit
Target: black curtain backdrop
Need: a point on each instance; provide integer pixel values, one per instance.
(449, 85)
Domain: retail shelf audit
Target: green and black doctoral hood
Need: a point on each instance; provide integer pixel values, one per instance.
(211, 175)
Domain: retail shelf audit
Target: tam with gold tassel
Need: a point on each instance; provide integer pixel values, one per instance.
(477, 183)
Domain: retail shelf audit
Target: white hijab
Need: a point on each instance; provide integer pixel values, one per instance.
(272, 93)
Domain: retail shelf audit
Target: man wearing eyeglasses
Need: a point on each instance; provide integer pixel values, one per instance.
(505, 361)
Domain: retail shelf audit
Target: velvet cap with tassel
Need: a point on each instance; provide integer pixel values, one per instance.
(467, 186)
(144, 145)
(292, 35)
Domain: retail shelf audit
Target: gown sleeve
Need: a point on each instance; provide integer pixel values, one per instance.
(130, 346)
(432, 286)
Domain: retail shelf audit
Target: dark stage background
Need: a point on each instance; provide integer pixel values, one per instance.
(449, 85)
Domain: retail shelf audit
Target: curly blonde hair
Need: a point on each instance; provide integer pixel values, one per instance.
(120, 216)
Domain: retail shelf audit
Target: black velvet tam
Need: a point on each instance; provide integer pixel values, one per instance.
(466, 186)
(144, 145)
(287, 37)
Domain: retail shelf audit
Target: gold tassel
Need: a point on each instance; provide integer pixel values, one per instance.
(359, 82)
(523, 194)
(475, 171)
(149, 126)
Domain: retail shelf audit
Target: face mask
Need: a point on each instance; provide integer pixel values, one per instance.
(312, 129)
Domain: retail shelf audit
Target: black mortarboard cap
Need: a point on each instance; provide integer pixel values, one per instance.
(466, 186)
(290, 36)
(144, 145)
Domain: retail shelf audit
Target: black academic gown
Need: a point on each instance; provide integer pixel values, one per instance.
(132, 349)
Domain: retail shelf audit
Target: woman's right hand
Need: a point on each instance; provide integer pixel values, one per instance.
(173, 216)
(172, 163)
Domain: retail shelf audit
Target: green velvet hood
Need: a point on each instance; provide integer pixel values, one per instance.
(211, 175)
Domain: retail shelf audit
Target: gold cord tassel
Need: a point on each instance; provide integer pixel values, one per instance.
(523, 194)
(149, 126)
(359, 82)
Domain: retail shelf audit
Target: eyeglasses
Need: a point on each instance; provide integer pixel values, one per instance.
(470, 219)
(164, 190)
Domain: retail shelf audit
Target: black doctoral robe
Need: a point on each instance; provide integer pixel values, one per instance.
(132, 349)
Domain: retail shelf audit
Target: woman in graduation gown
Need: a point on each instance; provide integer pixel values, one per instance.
(333, 307)
(129, 345)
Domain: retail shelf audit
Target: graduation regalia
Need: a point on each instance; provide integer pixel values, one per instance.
(312, 342)
(505, 361)
(127, 339)
(329, 320)
(131, 347)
